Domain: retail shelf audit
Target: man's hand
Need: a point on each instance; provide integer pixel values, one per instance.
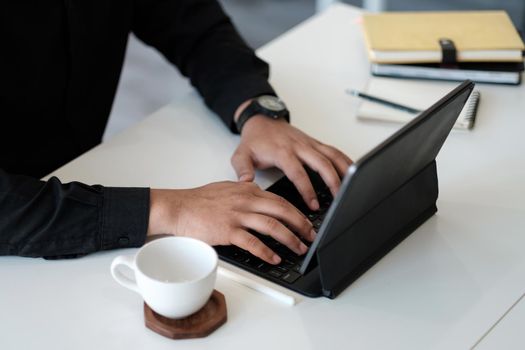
(266, 143)
(222, 213)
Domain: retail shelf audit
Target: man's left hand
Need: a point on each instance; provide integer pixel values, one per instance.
(267, 142)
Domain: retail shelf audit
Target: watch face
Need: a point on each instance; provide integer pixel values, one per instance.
(271, 102)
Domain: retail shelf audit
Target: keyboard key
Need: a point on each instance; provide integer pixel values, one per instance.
(323, 195)
(313, 216)
(291, 276)
(275, 273)
(252, 261)
(263, 267)
(296, 268)
(238, 255)
(281, 269)
(288, 263)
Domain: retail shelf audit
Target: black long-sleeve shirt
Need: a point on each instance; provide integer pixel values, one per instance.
(59, 69)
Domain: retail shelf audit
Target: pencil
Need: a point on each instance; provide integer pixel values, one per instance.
(383, 101)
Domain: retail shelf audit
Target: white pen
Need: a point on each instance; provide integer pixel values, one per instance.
(258, 286)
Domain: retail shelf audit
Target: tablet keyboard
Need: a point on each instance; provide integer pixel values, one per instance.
(288, 269)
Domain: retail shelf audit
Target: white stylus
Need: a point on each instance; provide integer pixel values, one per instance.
(258, 286)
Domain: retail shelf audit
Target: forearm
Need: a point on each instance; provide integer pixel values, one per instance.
(54, 220)
(200, 39)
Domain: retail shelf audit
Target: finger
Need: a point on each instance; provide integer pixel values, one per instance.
(294, 170)
(338, 158)
(270, 226)
(243, 164)
(279, 208)
(323, 166)
(249, 242)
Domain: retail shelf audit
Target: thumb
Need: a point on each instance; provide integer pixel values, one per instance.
(243, 165)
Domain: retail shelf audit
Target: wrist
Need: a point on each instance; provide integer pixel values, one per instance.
(155, 209)
(239, 110)
(259, 121)
(164, 212)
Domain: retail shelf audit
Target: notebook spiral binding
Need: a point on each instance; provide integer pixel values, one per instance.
(472, 108)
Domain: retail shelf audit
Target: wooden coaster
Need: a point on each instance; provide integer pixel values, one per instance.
(199, 325)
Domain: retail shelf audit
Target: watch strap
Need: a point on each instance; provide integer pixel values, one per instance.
(253, 109)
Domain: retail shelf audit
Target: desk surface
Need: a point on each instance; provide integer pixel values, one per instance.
(444, 287)
(508, 332)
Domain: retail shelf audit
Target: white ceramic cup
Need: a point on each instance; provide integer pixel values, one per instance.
(174, 275)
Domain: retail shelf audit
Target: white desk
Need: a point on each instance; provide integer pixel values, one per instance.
(443, 287)
(508, 333)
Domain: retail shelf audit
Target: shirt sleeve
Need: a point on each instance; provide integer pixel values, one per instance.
(200, 39)
(55, 220)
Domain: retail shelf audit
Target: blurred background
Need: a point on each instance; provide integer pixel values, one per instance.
(148, 82)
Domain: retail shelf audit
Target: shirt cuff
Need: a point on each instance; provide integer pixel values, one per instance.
(125, 216)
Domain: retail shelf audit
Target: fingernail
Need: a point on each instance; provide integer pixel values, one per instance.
(302, 248)
(312, 234)
(276, 259)
(314, 204)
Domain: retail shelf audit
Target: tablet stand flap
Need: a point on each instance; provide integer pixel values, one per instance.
(366, 240)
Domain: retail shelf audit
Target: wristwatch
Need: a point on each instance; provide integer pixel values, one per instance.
(267, 105)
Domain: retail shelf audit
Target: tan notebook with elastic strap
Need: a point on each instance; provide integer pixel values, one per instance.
(413, 37)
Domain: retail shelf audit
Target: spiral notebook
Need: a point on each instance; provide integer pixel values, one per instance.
(415, 94)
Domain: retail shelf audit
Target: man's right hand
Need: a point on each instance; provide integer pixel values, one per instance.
(222, 213)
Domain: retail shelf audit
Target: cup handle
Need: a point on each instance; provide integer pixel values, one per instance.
(129, 261)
